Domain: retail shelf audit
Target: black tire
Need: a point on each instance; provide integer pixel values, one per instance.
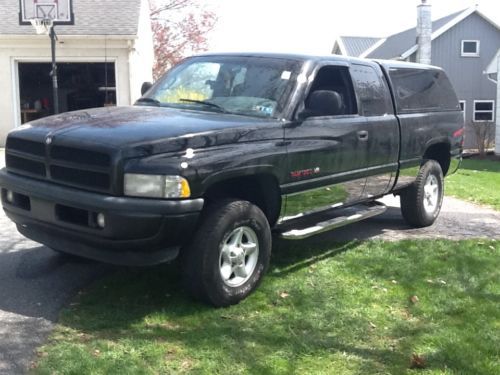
(204, 259)
(418, 208)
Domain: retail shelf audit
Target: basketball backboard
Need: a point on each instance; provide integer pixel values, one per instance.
(60, 11)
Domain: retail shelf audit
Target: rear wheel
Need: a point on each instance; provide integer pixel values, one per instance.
(229, 254)
(421, 202)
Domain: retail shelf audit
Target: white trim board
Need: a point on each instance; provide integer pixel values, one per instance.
(464, 102)
(341, 46)
(373, 47)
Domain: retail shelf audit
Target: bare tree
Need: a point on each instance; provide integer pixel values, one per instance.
(485, 134)
(180, 28)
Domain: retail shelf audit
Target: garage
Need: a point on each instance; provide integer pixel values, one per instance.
(81, 85)
(102, 58)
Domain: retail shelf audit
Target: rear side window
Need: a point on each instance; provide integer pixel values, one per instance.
(422, 90)
(372, 90)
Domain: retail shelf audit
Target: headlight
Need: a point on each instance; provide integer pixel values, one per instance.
(156, 186)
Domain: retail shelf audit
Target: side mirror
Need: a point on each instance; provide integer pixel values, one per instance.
(322, 103)
(145, 87)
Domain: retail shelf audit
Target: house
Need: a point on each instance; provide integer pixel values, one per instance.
(463, 44)
(102, 60)
(492, 71)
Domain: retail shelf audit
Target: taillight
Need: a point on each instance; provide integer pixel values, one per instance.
(458, 133)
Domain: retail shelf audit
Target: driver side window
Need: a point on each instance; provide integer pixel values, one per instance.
(331, 94)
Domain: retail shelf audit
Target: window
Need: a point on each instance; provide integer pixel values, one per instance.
(336, 79)
(462, 106)
(417, 90)
(250, 86)
(483, 110)
(470, 48)
(372, 91)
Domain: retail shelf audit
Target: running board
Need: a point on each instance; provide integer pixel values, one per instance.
(299, 229)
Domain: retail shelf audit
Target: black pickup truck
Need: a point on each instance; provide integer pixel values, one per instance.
(225, 149)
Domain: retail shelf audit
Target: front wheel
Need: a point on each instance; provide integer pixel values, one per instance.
(229, 254)
(421, 202)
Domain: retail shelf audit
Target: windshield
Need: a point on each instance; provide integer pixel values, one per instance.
(254, 86)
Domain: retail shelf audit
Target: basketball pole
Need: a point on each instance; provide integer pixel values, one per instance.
(53, 72)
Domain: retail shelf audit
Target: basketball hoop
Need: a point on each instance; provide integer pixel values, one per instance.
(42, 25)
(43, 15)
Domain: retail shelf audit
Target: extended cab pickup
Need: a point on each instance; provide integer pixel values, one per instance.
(225, 149)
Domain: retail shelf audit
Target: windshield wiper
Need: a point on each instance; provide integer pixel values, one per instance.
(204, 102)
(149, 100)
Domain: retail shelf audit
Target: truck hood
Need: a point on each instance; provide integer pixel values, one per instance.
(150, 130)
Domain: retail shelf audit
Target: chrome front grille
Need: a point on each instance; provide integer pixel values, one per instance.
(67, 165)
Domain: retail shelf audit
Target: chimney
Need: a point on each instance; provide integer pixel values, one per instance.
(424, 33)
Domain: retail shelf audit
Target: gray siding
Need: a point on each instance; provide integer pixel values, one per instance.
(466, 73)
(399, 43)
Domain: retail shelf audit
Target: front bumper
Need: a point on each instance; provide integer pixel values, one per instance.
(137, 231)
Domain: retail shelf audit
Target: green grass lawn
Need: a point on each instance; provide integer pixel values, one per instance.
(356, 308)
(477, 181)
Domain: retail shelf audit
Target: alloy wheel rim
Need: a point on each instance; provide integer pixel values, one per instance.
(431, 194)
(238, 256)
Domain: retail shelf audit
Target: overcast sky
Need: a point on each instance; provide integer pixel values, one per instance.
(310, 26)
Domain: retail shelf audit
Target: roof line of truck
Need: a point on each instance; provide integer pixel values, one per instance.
(317, 58)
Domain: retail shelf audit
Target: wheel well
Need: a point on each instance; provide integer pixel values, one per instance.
(262, 190)
(441, 153)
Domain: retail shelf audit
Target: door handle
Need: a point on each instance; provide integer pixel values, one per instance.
(363, 135)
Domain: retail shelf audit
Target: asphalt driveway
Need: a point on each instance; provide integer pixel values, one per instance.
(35, 282)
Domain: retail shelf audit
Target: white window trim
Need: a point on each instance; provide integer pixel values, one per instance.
(464, 102)
(492, 110)
(468, 54)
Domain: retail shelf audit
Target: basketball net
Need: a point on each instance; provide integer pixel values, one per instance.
(42, 25)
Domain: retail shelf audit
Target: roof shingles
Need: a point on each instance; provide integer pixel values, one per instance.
(356, 45)
(92, 17)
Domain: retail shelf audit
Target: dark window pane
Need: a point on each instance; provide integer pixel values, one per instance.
(470, 47)
(422, 89)
(483, 116)
(484, 106)
(372, 91)
(462, 105)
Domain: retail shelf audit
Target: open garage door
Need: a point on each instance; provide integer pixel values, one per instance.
(81, 86)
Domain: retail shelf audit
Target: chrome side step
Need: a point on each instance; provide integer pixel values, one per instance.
(299, 229)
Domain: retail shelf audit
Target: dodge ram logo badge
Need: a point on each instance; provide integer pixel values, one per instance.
(305, 172)
(48, 140)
